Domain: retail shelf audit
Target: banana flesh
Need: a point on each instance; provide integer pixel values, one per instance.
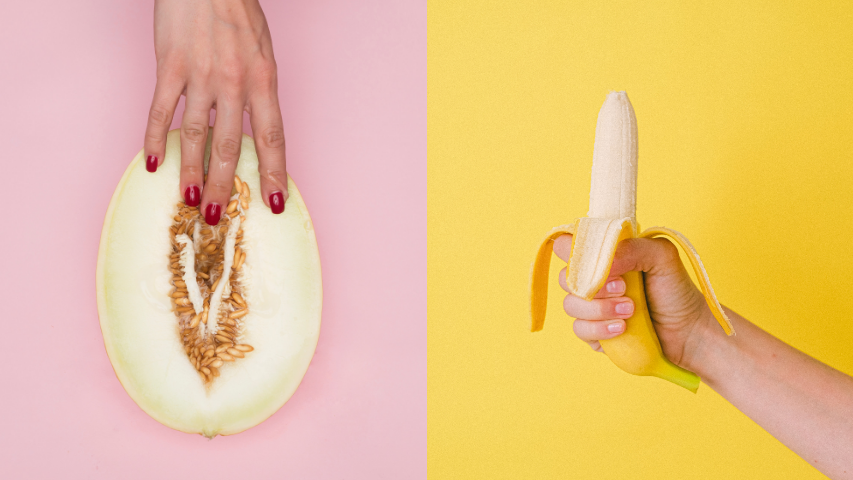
(611, 219)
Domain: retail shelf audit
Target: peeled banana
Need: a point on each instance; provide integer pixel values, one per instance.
(612, 218)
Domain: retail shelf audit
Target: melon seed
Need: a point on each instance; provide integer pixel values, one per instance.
(235, 352)
(205, 350)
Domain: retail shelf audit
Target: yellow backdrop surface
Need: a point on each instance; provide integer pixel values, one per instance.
(744, 114)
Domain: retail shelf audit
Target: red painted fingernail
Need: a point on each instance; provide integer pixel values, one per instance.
(192, 196)
(151, 163)
(276, 202)
(212, 213)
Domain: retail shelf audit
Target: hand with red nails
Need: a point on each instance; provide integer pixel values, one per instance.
(802, 402)
(218, 54)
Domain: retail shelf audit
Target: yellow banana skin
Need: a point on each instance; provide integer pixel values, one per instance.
(612, 218)
(637, 350)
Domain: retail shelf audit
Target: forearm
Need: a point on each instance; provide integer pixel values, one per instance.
(806, 405)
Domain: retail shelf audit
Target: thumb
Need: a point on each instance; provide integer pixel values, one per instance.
(650, 255)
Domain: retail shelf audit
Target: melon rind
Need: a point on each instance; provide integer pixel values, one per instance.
(284, 292)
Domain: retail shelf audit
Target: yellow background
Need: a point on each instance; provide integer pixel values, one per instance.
(744, 115)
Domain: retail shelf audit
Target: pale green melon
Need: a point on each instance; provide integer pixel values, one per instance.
(281, 285)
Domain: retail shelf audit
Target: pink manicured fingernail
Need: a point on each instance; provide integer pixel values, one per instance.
(615, 327)
(151, 163)
(212, 213)
(276, 202)
(192, 196)
(624, 308)
(616, 286)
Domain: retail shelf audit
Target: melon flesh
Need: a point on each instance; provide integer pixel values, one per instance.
(281, 284)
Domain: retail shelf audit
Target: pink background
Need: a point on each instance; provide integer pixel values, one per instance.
(76, 81)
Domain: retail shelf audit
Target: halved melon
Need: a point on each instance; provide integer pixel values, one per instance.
(209, 329)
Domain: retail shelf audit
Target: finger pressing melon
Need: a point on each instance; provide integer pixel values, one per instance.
(209, 329)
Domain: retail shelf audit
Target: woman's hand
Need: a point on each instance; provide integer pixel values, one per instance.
(799, 400)
(677, 307)
(217, 53)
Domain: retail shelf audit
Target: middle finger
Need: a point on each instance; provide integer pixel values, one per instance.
(599, 308)
(224, 153)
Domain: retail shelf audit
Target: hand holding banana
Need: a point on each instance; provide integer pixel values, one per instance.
(679, 312)
(633, 300)
(603, 289)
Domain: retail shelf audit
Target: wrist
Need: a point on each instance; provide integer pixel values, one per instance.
(702, 348)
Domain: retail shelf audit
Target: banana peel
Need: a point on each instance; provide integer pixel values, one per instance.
(611, 219)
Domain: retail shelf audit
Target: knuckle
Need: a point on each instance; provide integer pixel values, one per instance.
(169, 73)
(202, 66)
(154, 138)
(193, 132)
(218, 189)
(228, 148)
(191, 171)
(159, 116)
(273, 137)
(668, 250)
(231, 71)
(276, 175)
(628, 248)
(170, 66)
(266, 72)
(604, 308)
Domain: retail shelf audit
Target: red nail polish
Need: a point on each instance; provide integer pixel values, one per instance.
(192, 196)
(212, 213)
(276, 202)
(151, 163)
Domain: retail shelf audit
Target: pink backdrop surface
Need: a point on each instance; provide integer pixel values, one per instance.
(76, 80)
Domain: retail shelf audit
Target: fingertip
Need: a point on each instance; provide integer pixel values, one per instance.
(192, 196)
(613, 287)
(151, 163)
(562, 280)
(563, 247)
(595, 330)
(616, 286)
(212, 213)
(625, 307)
(616, 327)
(276, 202)
(274, 189)
(564, 238)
